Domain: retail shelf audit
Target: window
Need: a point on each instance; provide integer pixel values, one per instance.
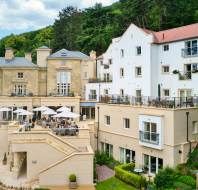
(110, 61)
(166, 47)
(20, 89)
(149, 133)
(106, 91)
(106, 77)
(121, 92)
(127, 155)
(138, 50)
(165, 69)
(121, 72)
(122, 53)
(107, 120)
(194, 127)
(138, 71)
(166, 92)
(107, 148)
(19, 75)
(92, 95)
(126, 123)
(152, 164)
(191, 47)
(63, 82)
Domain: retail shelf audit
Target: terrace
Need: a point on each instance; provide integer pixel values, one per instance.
(159, 102)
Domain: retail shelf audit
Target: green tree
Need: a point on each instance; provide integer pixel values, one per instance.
(66, 28)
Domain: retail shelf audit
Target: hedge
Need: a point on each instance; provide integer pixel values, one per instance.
(122, 172)
(188, 180)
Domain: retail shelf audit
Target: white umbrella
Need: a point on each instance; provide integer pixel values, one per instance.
(25, 113)
(19, 110)
(42, 108)
(64, 108)
(49, 112)
(66, 114)
(4, 109)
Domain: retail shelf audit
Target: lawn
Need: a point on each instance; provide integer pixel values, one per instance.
(113, 184)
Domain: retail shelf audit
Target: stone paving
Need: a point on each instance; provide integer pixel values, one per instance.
(104, 172)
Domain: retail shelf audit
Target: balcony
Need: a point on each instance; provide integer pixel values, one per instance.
(100, 80)
(148, 137)
(190, 52)
(92, 97)
(159, 102)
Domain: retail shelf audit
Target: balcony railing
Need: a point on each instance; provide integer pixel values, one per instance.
(190, 52)
(148, 137)
(100, 80)
(161, 102)
(92, 97)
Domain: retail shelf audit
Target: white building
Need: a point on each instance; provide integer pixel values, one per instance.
(143, 63)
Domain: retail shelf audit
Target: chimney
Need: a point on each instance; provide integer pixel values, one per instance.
(42, 54)
(9, 53)
(92, 54)
(28, 56)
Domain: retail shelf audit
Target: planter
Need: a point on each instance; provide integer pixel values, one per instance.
(73, 185)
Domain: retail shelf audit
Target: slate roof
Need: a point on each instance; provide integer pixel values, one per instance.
(16, 62)
(63, 53)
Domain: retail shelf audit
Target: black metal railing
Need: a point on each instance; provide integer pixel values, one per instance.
(148, 137)
(161, 102)
(100, 80)
(190, 52)
(92, 97)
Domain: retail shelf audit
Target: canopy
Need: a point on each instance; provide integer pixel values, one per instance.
(49, 112)
(66, 114)
(42, 108)
(25, 113)
(4, 109)
(19, 110)
(64, 108)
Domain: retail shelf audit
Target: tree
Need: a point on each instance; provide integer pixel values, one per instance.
(66, 28)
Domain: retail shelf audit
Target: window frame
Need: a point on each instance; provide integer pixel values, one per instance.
(125, 122)
(107, 120)
(163, 67)
(20, 75)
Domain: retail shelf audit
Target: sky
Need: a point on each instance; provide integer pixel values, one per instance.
(18, 16)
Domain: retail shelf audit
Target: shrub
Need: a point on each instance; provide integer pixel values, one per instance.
(182, 186)
(122, 172)
(101, 158)
(165, 178)
(183, 169)
(72, 178)
(187, 180)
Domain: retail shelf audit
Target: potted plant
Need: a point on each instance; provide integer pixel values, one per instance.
(4, 159)
(72, 181)
(175, 72)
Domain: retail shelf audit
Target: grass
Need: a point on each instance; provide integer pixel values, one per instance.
(113, 184)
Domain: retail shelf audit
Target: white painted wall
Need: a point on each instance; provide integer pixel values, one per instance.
(151, 60)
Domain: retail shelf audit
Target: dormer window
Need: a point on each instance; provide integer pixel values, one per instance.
(20, 75)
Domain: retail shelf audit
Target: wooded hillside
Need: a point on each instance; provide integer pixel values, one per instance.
(93, 28)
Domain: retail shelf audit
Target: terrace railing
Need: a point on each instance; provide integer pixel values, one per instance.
(161, 102)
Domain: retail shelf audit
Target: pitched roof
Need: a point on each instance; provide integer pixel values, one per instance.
(16, 62)
(63, 53)
(176, 34)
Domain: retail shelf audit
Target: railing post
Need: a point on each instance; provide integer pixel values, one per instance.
(186, 102)
(174, 99)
